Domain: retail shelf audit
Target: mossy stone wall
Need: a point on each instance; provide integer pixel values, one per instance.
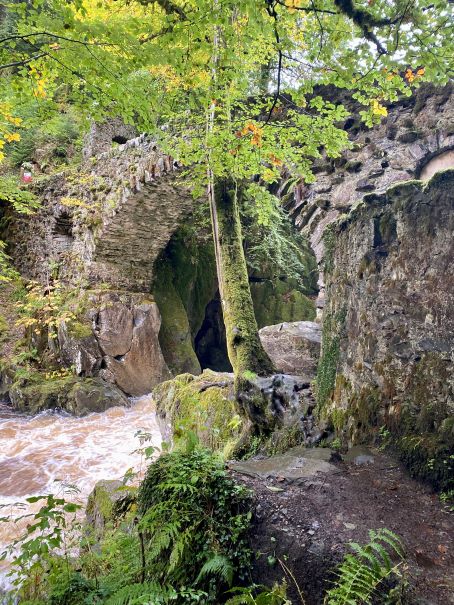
(388, 335)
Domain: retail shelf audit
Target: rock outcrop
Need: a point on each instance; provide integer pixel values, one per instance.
(388, 327)
(78, 396)
(414, 140)
(294, 348)
(273, 413)
(121, 342)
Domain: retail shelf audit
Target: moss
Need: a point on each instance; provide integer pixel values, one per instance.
(175, 333)
(283, 439)
(204, 404)
(108, 503)
(277, 302)
(427, 458)
(329, 358)
(362, 423)
(244, 348)
(77, 329)
(4, 329)
(329, 243)
(41, 393)
(420, 428)
(195, 279)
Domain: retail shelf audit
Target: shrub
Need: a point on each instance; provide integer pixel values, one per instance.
(194, 522)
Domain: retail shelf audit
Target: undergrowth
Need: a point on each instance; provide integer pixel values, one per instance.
(184, 542)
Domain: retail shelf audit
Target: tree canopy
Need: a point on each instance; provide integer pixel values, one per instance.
(164, 65)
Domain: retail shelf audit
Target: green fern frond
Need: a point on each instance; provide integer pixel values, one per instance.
(361, 573)
(141, 594)
(260, 595)
(219, 566)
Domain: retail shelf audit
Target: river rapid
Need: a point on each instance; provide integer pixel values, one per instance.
(40, 454)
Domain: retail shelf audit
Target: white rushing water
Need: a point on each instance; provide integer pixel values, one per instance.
(37, 453)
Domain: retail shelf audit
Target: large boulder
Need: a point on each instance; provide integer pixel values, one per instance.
(204, 404)
(273, 412)
(118, 341)
(294, 348)
(78, 396)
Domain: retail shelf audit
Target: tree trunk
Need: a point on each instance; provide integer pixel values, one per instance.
(244, 348)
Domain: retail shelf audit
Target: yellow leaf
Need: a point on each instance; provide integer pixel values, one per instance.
(10, 137)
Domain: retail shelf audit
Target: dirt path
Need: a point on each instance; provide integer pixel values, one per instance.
(313, 518)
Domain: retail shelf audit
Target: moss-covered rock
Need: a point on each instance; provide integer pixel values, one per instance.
(109, 501)
(175, 334)
(203, 404)
(275, 302)
(78, 396)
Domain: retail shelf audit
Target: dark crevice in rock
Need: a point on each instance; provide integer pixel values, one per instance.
(210, 342)
(119, 139)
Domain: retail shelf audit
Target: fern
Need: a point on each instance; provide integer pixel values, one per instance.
(219, 566)
(260, 595)
(194, 520)
(360, 574)
(136, 594)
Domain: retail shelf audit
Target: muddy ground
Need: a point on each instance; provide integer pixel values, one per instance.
(308, 524)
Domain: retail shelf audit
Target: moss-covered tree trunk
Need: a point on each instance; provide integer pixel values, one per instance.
(244, 348)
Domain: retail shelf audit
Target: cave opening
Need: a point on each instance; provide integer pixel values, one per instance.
(210, 343)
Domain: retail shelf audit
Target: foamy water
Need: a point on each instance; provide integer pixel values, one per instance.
(39, 452)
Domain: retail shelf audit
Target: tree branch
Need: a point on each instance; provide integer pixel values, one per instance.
(169, 7)
(57, 37)
(307, 9)
(23, 62)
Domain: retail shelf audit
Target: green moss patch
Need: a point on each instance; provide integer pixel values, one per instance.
(205, 405)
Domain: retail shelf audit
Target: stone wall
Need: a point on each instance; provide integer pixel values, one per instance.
(388, 326)
(417, 130)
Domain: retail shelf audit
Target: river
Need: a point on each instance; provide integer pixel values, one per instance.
(39, 453)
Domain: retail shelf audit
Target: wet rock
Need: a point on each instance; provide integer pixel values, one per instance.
(107, 503)
(294, 348)
(359, 455)
(78, 396)
(291, 467)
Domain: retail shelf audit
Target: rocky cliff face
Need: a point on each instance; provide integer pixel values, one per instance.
(120, 343)
(388, 326)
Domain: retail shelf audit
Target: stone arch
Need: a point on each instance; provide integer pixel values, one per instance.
(435, 162)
